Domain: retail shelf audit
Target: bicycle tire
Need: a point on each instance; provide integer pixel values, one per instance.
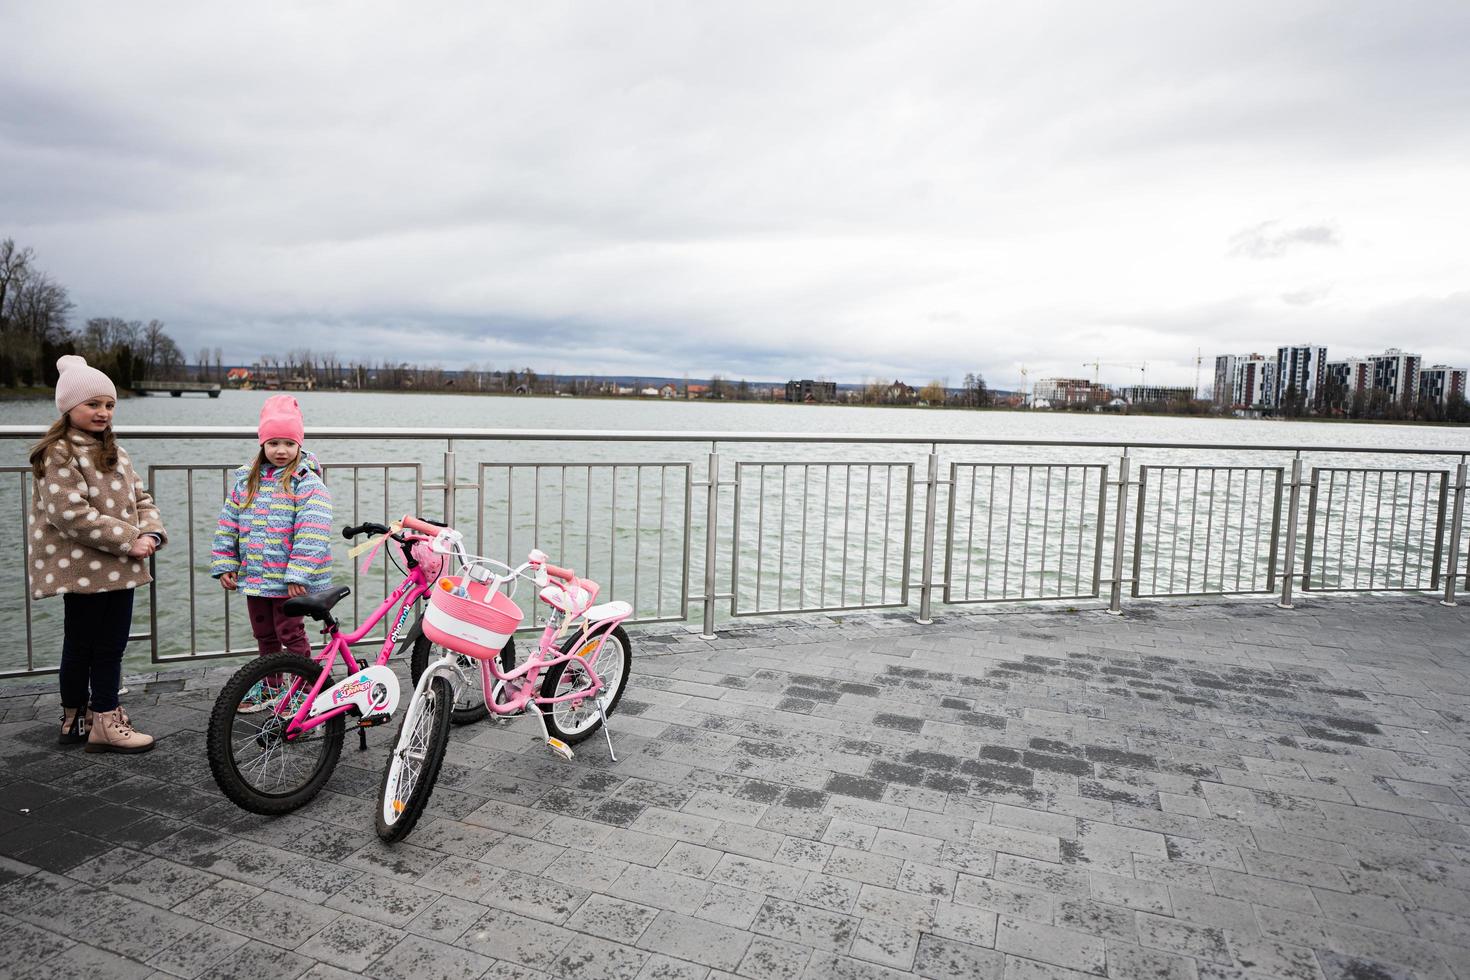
(425, 651)
(431, 716)
(579, 723)
(221, 737)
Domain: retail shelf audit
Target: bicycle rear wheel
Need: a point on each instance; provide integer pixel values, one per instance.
(408, 778)
(469, 707)
(252, 761)
(576, 721)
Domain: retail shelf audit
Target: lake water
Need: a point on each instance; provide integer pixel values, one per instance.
(454, 411)
(809, 526)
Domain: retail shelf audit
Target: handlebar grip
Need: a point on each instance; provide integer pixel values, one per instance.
(368, 527)
(556, 571)
(425, 527)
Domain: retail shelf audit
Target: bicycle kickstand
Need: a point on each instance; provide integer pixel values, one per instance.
(606, 733)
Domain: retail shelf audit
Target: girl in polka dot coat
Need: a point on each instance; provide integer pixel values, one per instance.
(92, 528)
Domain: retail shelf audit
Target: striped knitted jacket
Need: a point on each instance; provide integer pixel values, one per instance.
(283, 537)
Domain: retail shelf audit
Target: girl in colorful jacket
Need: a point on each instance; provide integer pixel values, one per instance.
(273, 541)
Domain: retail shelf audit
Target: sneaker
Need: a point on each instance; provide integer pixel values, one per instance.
(265, 693)
(111, 734)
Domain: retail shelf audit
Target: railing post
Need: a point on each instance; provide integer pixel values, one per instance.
(450, 480)
(926, 580)
(711, 523)
(1289, 571)
(1456, 526)
(1120, 532)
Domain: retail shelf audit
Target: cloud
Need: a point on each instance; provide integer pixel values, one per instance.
(1268, 240)
(849, 189)
(1306, 297)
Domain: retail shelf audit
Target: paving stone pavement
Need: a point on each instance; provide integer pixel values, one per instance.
(1191, 792)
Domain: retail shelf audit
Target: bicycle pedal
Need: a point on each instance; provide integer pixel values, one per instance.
(372, 721)
(560, 748)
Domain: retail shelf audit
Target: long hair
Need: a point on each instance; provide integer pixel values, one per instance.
(252, 482)
(257, 465)
(103, 451)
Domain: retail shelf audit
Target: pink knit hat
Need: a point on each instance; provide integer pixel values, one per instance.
(280, 418)
(79, 382)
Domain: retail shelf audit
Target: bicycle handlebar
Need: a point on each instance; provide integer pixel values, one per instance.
(435, 529)
(368, 527)
(425, 527)
(556, 571)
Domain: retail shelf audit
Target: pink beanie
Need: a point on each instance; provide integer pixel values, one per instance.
(280, 418)
(79, 382)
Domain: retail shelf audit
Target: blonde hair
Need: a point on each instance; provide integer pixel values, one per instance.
(103, 452)
(254, 478)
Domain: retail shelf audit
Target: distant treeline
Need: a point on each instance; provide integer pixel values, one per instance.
(35, 330)
(1337, 401)
(305, 368)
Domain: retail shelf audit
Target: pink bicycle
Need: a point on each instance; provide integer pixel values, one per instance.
(275, 733)
(574, 678)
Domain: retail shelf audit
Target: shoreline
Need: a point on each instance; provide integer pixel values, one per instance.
(36, 394)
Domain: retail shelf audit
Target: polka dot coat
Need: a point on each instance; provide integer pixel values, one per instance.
(83, 521)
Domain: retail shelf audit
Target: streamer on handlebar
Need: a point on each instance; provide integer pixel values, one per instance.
(372, 545)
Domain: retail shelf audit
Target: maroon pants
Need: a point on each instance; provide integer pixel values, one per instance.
(274, 630)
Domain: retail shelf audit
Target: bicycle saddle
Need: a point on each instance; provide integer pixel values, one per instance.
(317, 605)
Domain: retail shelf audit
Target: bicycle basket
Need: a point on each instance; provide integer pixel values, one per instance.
(470, 626)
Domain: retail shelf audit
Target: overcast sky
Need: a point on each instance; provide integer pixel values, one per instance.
(849, 190)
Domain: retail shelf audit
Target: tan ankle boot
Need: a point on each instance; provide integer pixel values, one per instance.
(92, 718)
(110, 733)
(74, 726)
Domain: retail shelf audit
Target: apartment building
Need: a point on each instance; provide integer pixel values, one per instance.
(1254, 385)
(1397, 374)
(1225, 379)
(1145, 394)
(1299, 370)
(1439, 383)
(1352, 376)
(1069, 391)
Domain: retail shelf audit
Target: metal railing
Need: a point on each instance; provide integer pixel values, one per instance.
(1027, 511)
(865, 515)
(799, 522)
(1205, 518)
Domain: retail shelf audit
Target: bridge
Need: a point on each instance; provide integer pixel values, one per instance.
(177, 388)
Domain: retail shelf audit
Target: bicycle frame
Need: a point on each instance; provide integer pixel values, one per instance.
(414, 586)
(522, 681)
(525, 676)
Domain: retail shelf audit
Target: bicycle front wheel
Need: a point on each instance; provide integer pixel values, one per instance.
(575, 721)
(408, 779)
(253, 762)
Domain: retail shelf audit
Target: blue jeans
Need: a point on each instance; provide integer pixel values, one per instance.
(97, 627)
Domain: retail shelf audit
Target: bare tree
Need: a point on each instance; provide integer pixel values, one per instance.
(154, 339)
(15, 264)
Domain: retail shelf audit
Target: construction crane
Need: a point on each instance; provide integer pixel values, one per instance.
(1025, 395)
(1096, 366)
